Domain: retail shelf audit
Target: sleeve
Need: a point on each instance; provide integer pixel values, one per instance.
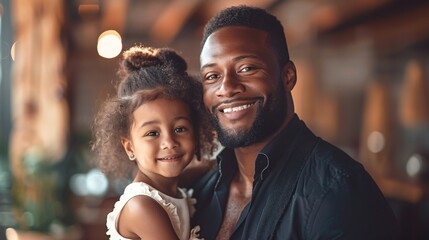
(352, 208)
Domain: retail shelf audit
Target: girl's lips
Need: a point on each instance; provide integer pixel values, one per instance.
(170, 158)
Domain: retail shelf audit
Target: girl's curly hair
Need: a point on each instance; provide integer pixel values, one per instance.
(146, 74)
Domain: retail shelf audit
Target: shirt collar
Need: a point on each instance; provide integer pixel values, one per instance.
(227, 165)
(276, 148)
(266, 159)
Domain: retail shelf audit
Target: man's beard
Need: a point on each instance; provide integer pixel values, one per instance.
(268, 120)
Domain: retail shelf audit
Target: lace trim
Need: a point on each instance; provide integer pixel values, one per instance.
(195, 235)
(140, 188)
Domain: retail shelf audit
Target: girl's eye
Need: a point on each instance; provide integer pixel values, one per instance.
(152, 134)
(180, 129)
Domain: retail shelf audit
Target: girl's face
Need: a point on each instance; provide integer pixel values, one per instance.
(162, 138)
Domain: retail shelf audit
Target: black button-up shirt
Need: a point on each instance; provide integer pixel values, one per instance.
(304, 188)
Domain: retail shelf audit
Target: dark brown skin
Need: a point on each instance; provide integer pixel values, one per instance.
(195, 170)
(238, 65)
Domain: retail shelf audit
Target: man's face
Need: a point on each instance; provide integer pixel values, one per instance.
(243, 89)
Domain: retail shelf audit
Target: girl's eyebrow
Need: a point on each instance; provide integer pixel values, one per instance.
(157, 121)
(148, 123)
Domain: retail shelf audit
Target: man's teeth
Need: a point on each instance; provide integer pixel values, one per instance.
(238, 108)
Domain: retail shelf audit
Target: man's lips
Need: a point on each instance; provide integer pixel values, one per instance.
(237, 108)
(232, 106)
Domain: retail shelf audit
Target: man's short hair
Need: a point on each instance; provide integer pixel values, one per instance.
(252, 17)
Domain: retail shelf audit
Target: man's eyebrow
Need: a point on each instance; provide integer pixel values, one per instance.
(207, 65)
(244, 57)
(238, 58)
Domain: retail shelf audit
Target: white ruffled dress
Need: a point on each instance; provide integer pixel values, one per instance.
(178, 209)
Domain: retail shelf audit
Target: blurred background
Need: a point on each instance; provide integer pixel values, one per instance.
(363, 85)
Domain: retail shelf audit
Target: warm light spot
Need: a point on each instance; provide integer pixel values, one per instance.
(11, 234)
(414, 165)
(109, 44)
(12, 51)
(375, 142)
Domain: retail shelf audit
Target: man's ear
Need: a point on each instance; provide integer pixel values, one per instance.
(289, 76)
(128, 145)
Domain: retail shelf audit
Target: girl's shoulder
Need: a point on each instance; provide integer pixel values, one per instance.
(131, 195)
(143, 209)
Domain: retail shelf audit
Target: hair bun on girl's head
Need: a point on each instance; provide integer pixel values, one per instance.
(171, 58)
(146, 68)
(140, 57)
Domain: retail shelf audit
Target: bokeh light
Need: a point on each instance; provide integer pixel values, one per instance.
(414, 165)
(376, 142)
(109, 44)
(13, 51)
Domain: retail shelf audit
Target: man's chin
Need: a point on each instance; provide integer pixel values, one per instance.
(234, 138)
(237, 134)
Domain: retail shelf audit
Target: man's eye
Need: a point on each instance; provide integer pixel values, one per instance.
(212, 76)
(246, 69)
(180, 129)
(152, 134)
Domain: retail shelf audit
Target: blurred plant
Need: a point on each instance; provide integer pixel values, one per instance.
(35, 204)
(40, 194)
(6, 219)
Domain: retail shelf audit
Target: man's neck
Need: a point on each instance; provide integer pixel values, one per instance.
(246, 156)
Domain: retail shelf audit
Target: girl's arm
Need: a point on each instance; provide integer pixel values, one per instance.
(143, 218)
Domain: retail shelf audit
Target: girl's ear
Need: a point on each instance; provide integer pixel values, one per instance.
(128, 145)
(289, 76)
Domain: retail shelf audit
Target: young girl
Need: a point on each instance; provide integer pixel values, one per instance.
(156, 125)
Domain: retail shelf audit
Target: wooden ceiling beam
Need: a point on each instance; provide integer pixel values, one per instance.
(171, 21)
(392, 27)
(114, 14)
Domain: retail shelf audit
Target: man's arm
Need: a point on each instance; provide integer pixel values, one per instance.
(353, 208)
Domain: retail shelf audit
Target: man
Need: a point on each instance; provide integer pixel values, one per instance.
(275, 179)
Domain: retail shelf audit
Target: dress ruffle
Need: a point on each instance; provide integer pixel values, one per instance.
(140, 188)
(195, 233)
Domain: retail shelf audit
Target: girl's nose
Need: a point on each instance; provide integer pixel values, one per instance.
(169, 142)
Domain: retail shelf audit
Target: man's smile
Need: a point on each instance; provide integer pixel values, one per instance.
(235, 105)
(237, 108)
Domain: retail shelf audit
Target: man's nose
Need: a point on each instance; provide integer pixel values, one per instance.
(230, 85)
